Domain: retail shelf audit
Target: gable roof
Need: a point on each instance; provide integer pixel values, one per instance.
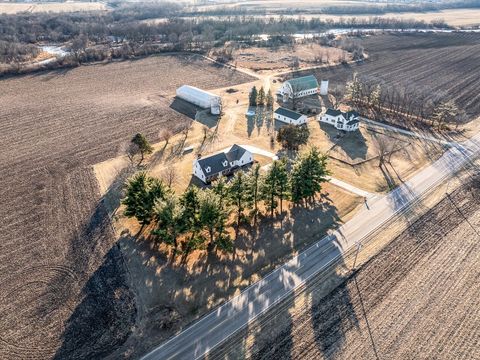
(347, 115)
(303, 83)
(235, 153)
(333, 112)
(288, 113)
(216, 162)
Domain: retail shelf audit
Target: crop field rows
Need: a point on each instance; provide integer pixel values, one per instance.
(420, 296)
(446, 63)
(64, 286)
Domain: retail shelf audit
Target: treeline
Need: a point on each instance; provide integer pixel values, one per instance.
(205, 218)
(101, 27)
(348, 10)
(14, 52)
(407, 103)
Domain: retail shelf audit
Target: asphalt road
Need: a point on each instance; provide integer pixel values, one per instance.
(212, 329)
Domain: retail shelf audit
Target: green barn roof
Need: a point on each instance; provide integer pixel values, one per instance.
(303, 83)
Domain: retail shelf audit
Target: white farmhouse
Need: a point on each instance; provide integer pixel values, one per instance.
(224, 163)
(289, 116)
(299, 87)
(347, 121)
(201, 98)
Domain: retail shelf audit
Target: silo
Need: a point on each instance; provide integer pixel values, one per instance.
(324, 87)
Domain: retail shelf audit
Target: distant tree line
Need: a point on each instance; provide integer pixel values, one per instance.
(200, 218)
(121, 33)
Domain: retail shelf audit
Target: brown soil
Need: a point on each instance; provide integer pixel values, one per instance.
(64, 290)
(259, 58)
(418, 298)
(448, 63)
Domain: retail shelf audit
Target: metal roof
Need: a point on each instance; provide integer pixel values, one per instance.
(288, 113)
(303, 83)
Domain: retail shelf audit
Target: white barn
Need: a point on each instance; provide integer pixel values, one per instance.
(289, 116)
(347, 121)
(299, 87)
(224, 163)
(201, 98)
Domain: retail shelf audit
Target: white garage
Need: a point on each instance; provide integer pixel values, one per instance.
(289, 116)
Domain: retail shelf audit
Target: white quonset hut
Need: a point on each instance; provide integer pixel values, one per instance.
(347, 121)
(289, 116)
(201, 98)
(299, 87)
(224, 163)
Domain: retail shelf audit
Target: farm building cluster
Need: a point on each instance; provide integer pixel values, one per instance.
(227, 162)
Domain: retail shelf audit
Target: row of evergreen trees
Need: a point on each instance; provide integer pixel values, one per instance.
(201, 218)
(260, 98)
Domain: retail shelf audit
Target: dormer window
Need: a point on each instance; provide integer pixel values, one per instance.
(208, 169)
(225, 163)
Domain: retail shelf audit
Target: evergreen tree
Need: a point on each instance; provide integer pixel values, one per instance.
(142, 191)
(143, 146)
(168, 215)
(270, 187)
(253, 186)
(282, 182)
(261, 97)
(237, 195)
(269, 99)
(253, 97)
(210, 215)
(308, 174)
(190, 220)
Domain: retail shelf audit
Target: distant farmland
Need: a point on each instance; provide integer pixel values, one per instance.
(64, 291)
(448, 63)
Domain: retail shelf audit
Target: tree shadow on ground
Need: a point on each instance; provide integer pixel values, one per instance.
(209, 279)
(257, 121)
(104, 318)
(353, 144)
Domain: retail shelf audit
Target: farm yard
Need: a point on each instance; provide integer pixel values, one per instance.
(448, 63)
(64, 284)
(417, 298)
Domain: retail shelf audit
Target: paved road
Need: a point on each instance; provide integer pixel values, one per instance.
(212, 329)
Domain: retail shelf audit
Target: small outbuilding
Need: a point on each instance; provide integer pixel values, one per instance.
(299, 87)
(224, 163)
(289, 116)
(201, 98)
(346, 121)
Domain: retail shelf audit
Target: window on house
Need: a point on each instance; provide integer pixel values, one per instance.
(208, 169)
(225, 163)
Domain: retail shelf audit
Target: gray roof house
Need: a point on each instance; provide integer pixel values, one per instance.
(224, 163)
(347, 121)
(289, 116)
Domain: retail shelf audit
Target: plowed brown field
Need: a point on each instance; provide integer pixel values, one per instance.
(419, 298)
(448, 63)
(63, 290)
